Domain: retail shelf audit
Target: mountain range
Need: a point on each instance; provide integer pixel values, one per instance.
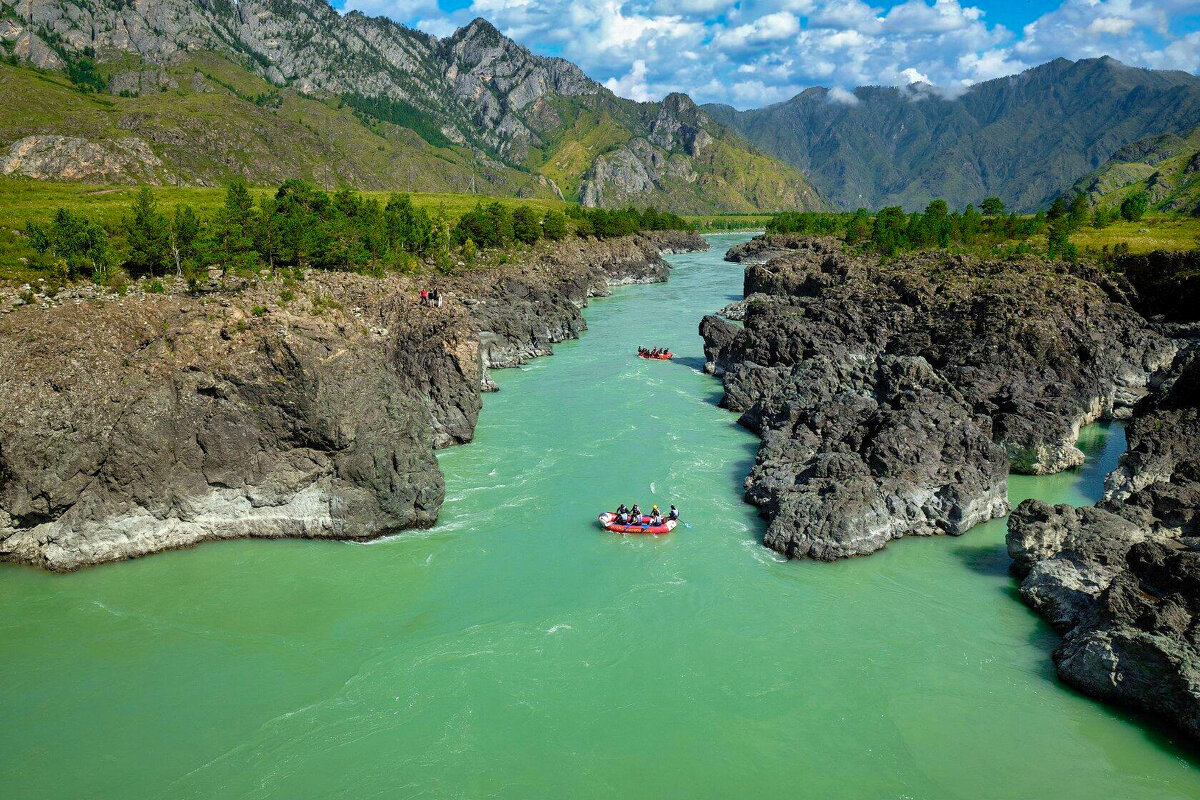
(484, 110)
(1023, 138)
(198, 91)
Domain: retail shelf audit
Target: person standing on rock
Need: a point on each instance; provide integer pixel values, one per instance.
(424, 297)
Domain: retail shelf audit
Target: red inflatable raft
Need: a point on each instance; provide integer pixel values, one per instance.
(609, 520)
(667, 356)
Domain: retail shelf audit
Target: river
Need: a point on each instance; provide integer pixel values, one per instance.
(517, 651)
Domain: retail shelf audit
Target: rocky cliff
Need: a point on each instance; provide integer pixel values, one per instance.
(1121, 581)
(894, 397)
(138, 424)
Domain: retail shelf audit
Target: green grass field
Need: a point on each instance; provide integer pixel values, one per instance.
(1151, 233)
(713, 223)
(24, 200)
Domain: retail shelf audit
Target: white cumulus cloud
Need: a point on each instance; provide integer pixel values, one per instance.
(753, 52)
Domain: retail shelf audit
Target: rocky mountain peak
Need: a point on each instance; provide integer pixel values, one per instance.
(476, 88)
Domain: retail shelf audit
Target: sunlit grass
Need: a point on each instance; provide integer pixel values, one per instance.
(1151, 233)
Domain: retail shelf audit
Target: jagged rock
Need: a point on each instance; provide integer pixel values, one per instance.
(30, 47)
(1122, 581)
(70, 158)
(139, 82)
(1165, 284)
(893, 397)
(177, 420)
(762, 249)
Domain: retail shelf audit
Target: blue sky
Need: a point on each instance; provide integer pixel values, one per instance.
(755, 52)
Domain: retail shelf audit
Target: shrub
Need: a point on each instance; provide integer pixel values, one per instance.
(554, 225)
(1134, 206)
(527, 228)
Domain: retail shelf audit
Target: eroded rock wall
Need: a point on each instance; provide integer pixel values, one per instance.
(1121, 582)
(139, 425)
(893, 397)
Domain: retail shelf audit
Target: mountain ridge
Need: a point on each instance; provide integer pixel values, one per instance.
(1024, 137)
(479, 89)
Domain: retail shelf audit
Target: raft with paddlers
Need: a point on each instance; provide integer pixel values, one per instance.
(609, 520)
(656, 354)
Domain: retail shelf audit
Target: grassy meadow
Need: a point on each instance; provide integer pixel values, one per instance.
(25, 200)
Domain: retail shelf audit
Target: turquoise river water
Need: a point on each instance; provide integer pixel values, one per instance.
(517, 651)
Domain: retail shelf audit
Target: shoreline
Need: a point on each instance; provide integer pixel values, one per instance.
(195, 419)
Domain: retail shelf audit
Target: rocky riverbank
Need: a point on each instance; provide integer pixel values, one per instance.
(140, 424)
(1121, 581)
(893, 397)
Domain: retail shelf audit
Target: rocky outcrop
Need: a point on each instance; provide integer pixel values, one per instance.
(893, 397)
(70, 158)
(139, 425)
(762, 249)
(1121, 582)
(137, 82)
(27, 45)
(1166, 285)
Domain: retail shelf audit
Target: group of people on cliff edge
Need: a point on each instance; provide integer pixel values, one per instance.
(431, 298)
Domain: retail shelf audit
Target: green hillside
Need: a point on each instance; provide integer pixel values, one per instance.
(221, 121)
(1166, 168)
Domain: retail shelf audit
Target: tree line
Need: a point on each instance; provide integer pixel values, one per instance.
(892, 230)
(302, 227)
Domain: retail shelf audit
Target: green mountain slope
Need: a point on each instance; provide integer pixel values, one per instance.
(475, 106)
(1021, 138)
(204, 127)
(1166, 168)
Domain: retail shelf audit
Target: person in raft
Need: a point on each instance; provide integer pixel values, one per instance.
(673, 514)
(636, 514)
(656, 516)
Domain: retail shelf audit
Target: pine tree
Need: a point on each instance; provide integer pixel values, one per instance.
(527, 227)
(554, 225)
(231, 243)
(148, 235)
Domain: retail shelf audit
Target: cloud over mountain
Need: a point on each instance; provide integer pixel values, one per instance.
(761, 51)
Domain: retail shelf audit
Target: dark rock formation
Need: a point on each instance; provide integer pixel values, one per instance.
(1122, 581)
(1166, 284)
(893, 397)
(764, 248)
(161, 422)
